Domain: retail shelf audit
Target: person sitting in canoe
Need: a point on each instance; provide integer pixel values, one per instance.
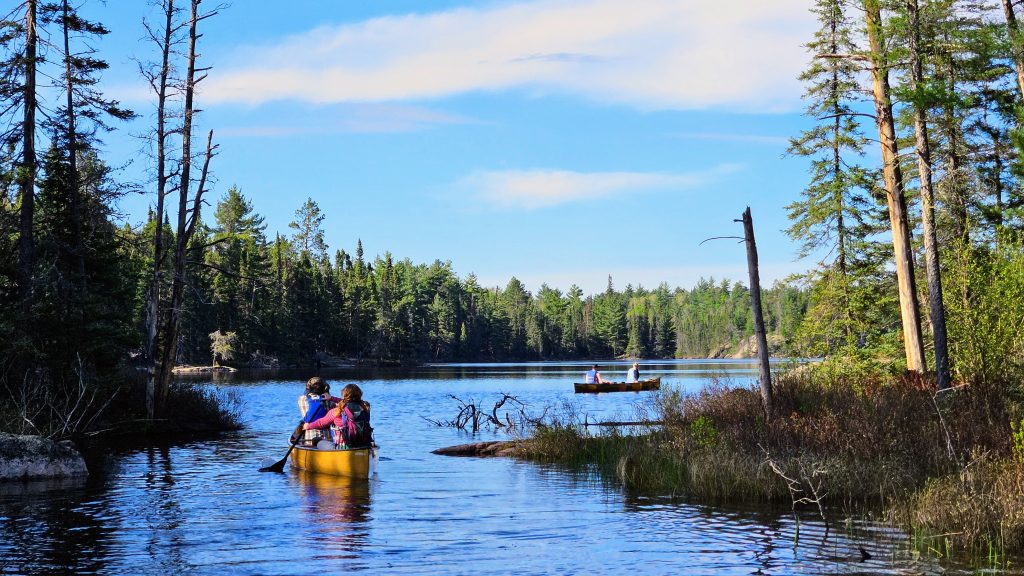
(633, 374)
(349, 421)
(314, 405)
(593, 376)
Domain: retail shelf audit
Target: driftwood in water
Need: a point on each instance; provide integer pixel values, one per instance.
(494, 448)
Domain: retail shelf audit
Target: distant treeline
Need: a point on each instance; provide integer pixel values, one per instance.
(286, 298)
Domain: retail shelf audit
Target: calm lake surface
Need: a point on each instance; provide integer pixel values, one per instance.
(202, 507)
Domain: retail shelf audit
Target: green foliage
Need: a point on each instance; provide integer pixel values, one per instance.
(222, 346)
(1017, 432)
(703, 431)
(985, 300)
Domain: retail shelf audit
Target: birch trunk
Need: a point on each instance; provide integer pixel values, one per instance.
(904, 257)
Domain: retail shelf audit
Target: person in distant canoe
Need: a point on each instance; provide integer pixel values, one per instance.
(593, 376)
(349, 421)
(633, 374)
(314, 405)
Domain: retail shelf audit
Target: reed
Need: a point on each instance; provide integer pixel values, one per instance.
(940, 464)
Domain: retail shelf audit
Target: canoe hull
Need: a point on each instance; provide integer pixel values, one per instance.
(354, 463)
(652, 384)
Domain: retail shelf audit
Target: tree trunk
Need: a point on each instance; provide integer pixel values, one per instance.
(153, 297)
(26, 245)
(897, 203)
(931, 249)
(957, 198)
(755, 303)
(1018, 58)
(168, 356)
(74, 194)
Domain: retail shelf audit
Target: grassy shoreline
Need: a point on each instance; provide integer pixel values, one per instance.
(949, 464)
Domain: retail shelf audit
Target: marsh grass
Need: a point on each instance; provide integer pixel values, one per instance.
(941, 464)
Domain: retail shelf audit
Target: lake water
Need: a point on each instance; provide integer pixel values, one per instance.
(202, 507)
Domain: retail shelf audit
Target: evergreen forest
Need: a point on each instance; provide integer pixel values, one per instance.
(919, 254)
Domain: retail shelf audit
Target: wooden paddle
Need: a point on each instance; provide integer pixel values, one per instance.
(279, 465)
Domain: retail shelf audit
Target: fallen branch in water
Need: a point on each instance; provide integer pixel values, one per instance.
(472, 416)
(811, 481)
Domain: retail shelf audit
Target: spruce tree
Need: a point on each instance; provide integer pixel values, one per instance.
(832, 217)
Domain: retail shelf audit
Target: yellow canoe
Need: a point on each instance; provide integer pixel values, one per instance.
(652, 384)
(352, 462)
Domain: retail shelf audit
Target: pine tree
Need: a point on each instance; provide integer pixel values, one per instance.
(309, 234)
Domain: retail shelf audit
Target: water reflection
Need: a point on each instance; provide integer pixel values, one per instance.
(336, 509)
(50, 527)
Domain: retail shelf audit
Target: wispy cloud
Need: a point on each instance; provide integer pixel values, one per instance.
(728, 137)
(653, 54)
(353, 118)
(533, 189)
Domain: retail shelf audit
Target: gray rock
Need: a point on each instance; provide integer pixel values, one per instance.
(23, 457)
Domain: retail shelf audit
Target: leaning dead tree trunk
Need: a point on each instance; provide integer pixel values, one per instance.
(755, 304)
(26, 245)
(897, 202)
(924, 168)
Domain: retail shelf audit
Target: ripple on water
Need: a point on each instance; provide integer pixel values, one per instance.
(201, 507)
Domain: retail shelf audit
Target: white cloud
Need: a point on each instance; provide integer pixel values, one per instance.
(653, 54)
(352, 118)
(532, 189)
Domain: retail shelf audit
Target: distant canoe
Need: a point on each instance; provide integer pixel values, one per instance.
(652, 384)
(352, 462)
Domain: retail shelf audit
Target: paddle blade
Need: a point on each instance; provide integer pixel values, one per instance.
(279, 465)
(276, 466)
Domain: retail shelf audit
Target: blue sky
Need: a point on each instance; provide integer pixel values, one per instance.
(558, 141)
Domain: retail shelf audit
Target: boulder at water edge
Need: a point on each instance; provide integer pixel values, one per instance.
(23, 457)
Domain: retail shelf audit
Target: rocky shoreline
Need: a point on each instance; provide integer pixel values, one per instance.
(35, 457)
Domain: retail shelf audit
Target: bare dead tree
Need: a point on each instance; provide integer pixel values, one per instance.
(159, 81)
(163, 343)
(755, 304)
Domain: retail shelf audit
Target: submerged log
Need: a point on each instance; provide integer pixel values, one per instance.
(480, 449)
(25, 457)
